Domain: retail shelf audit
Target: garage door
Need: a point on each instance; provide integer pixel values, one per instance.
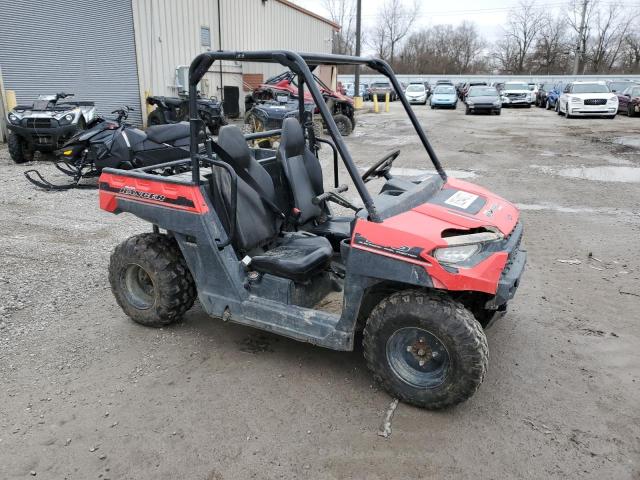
(86, 48)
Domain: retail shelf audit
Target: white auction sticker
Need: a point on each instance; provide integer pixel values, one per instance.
(461, 199)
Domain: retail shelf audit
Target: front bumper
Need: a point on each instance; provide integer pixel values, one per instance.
(44, 138)
(592, 109)
(515, 101)
(484, 107)
(443, 103)
(509, 280)
(420, 100)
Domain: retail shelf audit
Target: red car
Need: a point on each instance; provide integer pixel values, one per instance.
(629, 101)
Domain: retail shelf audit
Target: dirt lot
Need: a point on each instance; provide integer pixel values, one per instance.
(86, 393)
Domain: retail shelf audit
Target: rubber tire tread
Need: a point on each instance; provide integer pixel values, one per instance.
(453, 324)
(161, 258)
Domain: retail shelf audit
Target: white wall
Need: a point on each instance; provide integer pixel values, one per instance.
(167, 34)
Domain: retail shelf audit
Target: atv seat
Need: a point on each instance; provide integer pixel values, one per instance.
(168, 133)
(173, 101)
(292, 255)
(304, 175)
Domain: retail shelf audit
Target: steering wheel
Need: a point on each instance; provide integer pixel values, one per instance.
(382, 167)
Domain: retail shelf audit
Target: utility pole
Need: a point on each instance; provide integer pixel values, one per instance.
(356, 92)
(579, 52)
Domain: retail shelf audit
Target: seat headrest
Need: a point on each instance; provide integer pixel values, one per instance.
(292, 140)
(231, 139)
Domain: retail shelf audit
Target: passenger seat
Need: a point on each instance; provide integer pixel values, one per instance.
(296, 256)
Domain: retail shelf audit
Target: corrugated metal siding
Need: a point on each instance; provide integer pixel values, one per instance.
(86, 48)
(167, 35)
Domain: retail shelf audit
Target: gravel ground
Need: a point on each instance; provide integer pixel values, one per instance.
(86, 393)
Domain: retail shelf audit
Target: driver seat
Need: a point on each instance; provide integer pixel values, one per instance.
(304, 174)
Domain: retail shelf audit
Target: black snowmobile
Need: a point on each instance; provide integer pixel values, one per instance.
(176, 109)
(113, 143)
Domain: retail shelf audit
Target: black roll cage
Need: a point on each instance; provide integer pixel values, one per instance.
(299, 63)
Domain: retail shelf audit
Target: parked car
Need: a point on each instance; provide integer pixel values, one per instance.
(553, 95)
(629, 101)
(468, 85)
(444, 82)
(428, 88)
(587, 98)
(444, 95)
(346, 88)
(533, 88)
(380, 89)
(617, 86)
(416, 93)
(483, 99)
(459, 87)
(541, 94)
(515, 94)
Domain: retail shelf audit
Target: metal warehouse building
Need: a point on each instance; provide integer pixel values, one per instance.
(117, 52)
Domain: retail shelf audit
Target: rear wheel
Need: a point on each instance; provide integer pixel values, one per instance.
(547, 105)
(19, 149)
(345, 127)
(467, 111)
(631, 110)
(425, 349)
(150, 279)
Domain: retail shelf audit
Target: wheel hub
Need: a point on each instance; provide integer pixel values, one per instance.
(418, 357)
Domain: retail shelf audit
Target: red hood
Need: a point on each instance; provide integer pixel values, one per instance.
(423, 225)
(413, 235)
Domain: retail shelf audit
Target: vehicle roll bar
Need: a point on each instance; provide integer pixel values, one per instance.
(299, 63)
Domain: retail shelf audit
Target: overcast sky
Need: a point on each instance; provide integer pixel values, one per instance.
(488, 15)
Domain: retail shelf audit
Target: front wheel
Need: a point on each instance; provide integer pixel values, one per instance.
(150, 279)
(19, 150)
(425, 349)
(631, 112)
(547, 105)
(345, 127)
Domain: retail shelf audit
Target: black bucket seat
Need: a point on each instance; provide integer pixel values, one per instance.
(296, 256)
(304, 175)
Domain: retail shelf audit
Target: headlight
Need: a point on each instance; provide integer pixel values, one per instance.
(497, 103)
(470, 103)
(13, 118)
(575, 100)
(455, 254)
(66, 119)
(613, 99)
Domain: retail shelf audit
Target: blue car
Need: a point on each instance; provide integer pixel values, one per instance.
(553, 95)
(444, 96)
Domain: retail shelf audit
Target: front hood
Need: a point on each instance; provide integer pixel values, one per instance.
(504, 92)
(459, 206)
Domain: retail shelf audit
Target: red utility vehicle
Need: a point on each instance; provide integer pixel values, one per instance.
(424, 266)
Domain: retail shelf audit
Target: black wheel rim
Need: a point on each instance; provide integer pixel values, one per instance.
(342, 126)
(138, 287)
(418, 357)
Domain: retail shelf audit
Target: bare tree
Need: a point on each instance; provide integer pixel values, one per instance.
(551, 54)
(443, 49)
(393, 24)
(576, 10)
(343, 12)
(522, 30)
(631, 53)
(610, 30)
